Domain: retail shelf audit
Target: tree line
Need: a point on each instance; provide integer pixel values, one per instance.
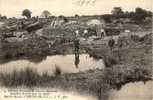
(138, 15)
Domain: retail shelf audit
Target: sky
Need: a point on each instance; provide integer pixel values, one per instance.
(14, 8)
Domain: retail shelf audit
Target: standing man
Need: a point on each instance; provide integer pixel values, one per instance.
(111, 43)
(76, 46)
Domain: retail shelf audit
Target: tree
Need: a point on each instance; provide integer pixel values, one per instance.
(4, 17)
(46, 13)
(27, 13)
(140, 14)
(63, 18)
(107, 18)
(139, 11)
(117, 11)
(76, 16)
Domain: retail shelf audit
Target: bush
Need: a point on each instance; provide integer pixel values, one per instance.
(135, 38)
(147, 39)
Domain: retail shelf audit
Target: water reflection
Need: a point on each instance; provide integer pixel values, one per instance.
(66, 63)
(77, 60)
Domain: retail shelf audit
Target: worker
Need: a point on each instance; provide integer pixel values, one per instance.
(76, 46)
(111, 43)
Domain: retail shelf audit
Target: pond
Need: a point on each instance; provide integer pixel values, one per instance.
(66, 63)
(134, 91)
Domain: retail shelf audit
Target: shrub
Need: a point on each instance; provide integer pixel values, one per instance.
(135, 38)
(110, 61)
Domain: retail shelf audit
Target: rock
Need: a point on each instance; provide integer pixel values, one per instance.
(20, 34)
(1, 24)
(39, 32)
(11, 39)
(34, 27)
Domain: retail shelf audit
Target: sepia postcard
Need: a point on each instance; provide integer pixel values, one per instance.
(76, 50)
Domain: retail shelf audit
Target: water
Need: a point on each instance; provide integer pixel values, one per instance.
(134, 91)
(65, 62)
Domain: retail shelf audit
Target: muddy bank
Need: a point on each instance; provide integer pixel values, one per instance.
(34, 47)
